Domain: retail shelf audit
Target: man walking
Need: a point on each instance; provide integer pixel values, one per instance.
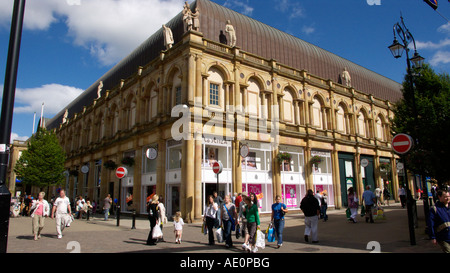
(369, 200)
(402, 195)
(63, 212)
(311, 209)
(439, 221)
(107, 206)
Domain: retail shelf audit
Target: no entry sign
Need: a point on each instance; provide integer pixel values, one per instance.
(121, 172)
(217, 167)
(402, 143)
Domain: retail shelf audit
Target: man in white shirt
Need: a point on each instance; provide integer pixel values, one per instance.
(63, 212)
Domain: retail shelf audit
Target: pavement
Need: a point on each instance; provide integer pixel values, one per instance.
(337, 235)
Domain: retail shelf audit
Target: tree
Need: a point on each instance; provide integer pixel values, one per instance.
(42, 164)
(428, 123)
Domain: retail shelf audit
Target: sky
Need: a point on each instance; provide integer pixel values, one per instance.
(68, 44)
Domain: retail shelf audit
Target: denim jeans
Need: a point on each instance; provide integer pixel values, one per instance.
(278, 225)
(106, 211)
(227, 232)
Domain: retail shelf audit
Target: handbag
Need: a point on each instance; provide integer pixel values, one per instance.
(157, 233)
(363, 211)
(219, 235)
(204, 229)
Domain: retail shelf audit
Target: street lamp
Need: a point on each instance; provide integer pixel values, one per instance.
(397, 50)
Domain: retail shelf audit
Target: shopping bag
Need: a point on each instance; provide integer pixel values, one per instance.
(260, 239)
(271, 235)
(204, 229)
(348, 213)
(219, 235)
(363, 211)
(238, 231)
(157, 233)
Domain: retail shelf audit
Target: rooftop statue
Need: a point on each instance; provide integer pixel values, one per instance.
(231, 32)
(168, 37)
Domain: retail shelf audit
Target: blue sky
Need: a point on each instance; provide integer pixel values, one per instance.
(68, 44)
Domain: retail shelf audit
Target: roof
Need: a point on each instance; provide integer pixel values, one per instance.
(253, 37)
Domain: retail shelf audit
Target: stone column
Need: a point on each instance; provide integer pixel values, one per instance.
(137, 177)
(198, 177)
(336, 178)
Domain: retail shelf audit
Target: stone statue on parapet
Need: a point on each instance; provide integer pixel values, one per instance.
(99, 89)
(168, 37)
(231, 33)
(346, 79)
(187, 17)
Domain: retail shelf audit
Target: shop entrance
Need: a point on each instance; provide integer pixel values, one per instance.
(173, 200)
(346, 173)
(367, 173)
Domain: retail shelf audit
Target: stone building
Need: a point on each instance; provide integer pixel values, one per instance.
(199, 100)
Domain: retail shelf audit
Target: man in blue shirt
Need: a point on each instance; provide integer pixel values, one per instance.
(439, 221)
(369, 200)
(278, 211)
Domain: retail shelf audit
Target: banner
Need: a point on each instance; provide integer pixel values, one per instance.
(432, 3)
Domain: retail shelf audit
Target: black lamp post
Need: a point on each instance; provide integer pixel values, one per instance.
(397, 50)
(9, 91)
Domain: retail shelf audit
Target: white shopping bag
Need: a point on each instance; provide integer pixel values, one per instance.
(157, 233)
(219, 235)
(260, 239)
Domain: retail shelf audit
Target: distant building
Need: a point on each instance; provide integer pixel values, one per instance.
(283, 94)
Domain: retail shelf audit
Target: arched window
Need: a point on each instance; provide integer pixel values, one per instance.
(341, 120)
(253, 102)
(362, 125)
(317, 115)
(215, 88)
(288, 107)
(380, 128)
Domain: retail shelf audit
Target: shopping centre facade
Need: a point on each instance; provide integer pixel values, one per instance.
(266, 108)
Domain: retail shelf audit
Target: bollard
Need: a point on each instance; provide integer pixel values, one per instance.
(133, 226)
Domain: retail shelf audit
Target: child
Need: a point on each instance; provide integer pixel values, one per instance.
(178, 227)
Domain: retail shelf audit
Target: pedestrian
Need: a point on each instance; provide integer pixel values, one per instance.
(369, 200)
(63, 212)
(378, 196)
(352, 200)
(107, 206)
(209, 218)
(386, 195)
(253, 223)
(178, 227)
(439, 221)
(153, 216)
(311, 209)
(237, 201)
(402, 195)
(324, 206)
(39, 210)
(229, 220)
(162, 216)
(278, 211)
(80, 206)
(243, 221)
(219, 201)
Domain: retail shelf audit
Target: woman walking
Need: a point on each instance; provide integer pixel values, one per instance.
(210, 218)
(278, 211)
(40, 209)
(253, 224)
(229, 220)
(153, 216)
(352, 204)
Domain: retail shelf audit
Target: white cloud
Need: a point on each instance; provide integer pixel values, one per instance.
(239, 6)
(15, 136)
(109, 29)
(308, 30)
(440, 57)
(54, 96)
(431, 45)
(293, 8)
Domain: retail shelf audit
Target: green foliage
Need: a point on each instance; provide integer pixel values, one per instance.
(430, 127)
(42, 164)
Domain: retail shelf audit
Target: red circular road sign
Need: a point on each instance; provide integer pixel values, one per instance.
(217, 167)
(121, 172)
(402, 143)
